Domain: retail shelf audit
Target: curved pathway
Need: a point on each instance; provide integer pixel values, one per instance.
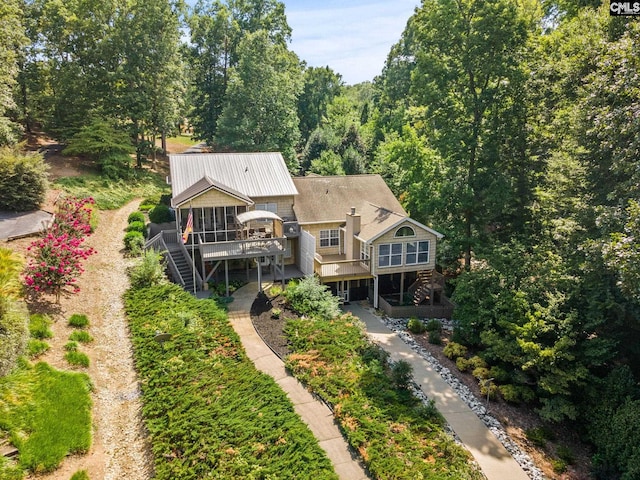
(492, 457)
(313, 412)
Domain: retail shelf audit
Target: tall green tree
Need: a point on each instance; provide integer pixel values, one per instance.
(12, 39)
(148, 77)
(321, 86)
(217, 28)
(467, 75)
(260, 108)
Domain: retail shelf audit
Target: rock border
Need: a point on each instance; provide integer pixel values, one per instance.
(399, 327)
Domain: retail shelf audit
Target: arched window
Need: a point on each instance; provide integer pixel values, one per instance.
(405, 232)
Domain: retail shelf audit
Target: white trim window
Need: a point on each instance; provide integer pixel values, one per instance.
(364, 251)
(405, 231)
(389, 254)
(268, 207)
(329, 238)
(417, 252)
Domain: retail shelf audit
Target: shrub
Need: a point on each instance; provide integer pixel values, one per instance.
(108, 146)
(78, 320)
(23, 180)
(81, 336)
(477, 362)
(539, 435)
(134, 242)
(454, 350)
(137, 227)
(275, 290)
(415, 325)
(36, 347)
(499, 374)
(489, 388)
(71, 346)
(401, 372)
(513, 393)
(309, 297)
(462, 364)
(136, 217)
(160, 214)
(435, 338)
(39, 326)
(77, 359)
(481, 373)
(559, 465)
(14, 329)
(80, 475)
(148, 271)
(566, 454)
(434, 325)
(276, 312)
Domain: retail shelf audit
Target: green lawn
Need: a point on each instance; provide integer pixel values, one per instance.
(46, 413)
(112, 194)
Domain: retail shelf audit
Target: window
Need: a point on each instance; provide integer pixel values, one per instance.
(364, 251)
(269, 207)
(329, 238)
(417, 252)
(389, 254)
(405, 232)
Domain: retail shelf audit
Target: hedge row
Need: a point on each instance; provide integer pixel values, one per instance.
(210, 413)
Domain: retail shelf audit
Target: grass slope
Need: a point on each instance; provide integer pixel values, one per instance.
(46, 414)
(210, 413)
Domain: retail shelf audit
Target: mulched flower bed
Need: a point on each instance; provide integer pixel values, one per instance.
(269, 327)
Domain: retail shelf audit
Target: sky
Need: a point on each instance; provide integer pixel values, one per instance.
(352, 37)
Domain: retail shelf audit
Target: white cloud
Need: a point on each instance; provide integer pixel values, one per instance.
(352, 39)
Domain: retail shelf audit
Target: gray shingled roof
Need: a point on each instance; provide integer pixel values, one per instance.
(329, 199)
(250, 174)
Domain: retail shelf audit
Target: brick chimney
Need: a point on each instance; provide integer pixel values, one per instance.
(351, 245)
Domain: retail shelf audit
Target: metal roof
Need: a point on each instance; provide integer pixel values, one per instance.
(251, 174)
(257, 215)
(203, 185)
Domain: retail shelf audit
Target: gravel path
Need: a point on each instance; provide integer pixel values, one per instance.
(120, 447)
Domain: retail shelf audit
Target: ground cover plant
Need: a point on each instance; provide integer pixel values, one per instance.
(111, 194)
(205, 405)
(46, 414)
(78, 320)
(397, 435)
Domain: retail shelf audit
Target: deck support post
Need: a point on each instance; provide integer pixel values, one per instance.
(226, 275)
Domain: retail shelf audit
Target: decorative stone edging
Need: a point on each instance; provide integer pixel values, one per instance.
(399, 326)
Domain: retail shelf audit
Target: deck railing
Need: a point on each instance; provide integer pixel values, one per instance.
(243, 248)
(340, 268)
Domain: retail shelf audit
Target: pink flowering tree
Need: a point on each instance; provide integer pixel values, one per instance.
(56, 259)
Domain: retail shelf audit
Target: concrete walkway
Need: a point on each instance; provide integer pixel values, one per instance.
(494, 460)
(313, 412)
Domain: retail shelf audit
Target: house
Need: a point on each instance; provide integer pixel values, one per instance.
(243, 211)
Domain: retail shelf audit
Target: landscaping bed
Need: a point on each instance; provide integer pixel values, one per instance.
(206, 406)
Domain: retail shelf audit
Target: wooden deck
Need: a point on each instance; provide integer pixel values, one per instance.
(337, 267)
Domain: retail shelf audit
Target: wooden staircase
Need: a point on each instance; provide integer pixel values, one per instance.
(425, 286)
(184, 266)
